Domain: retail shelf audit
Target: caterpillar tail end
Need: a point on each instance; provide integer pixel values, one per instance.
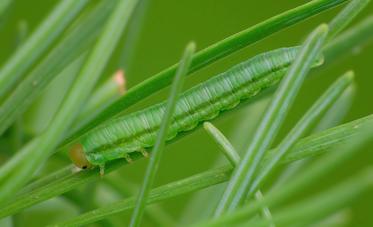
(78, 157)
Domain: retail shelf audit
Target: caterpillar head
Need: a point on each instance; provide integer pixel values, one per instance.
(78, 157)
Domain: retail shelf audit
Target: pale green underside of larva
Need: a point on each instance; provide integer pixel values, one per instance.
(134, 132)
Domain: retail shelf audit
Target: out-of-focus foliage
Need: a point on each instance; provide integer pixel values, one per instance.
(167, 26)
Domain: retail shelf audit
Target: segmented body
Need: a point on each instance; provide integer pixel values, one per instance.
(134, 132)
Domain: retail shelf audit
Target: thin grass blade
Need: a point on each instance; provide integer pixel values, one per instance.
(154, 213)
(345, 17)
(79, 92)
(231, 154)
(72, 47)
(311, 116)
(37, 44)
(355, 37)
(225, 146)
(314, 172)
(157, 150)
(335, 115)
(242, 178)
(331, 118)
(180, 187)
(321, 205)
(207, 56)
(307, 147)
(54, 185)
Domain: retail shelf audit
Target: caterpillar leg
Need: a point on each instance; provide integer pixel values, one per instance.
(144, 153)
(102, 170)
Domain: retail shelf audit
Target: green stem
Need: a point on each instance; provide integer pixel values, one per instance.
(336, 114)
(159, 145)
(313, 114)
(231, 154)
(357, 36)
(313, 145)
(38, 43)
(71, 47)
(345, 17)
(225, 146)
(29, 161)
(155, 213)
(320, 206)
(240, 183)
(180, 187)
(314, 172)
(207, 56)
(331, 118)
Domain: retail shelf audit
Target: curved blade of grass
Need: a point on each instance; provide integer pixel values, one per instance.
(180, 187)
(318, 108)
(225, 146)
(335, 115)
(314, 172)
(79, 92)
(158, 148)
(356, 36)
(321, 105)
(53, 185)
(12, 164)
(57, 175)
(239, 184)
(70, 48)
(331, 118)
(345, 17)
(310, 150)
(197, 182)
(38, 43)
(207, 56)
(231, 154)
(320, 206)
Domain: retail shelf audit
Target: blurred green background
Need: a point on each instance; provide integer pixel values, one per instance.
(163, 33)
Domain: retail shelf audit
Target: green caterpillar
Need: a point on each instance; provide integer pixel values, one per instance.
(137, 131)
